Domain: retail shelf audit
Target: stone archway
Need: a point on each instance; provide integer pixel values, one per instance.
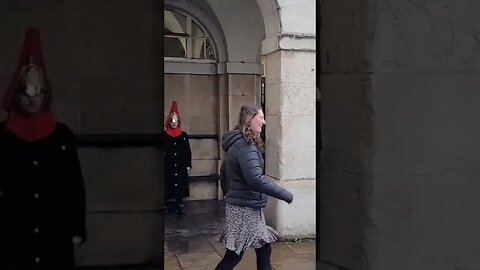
(273, 27)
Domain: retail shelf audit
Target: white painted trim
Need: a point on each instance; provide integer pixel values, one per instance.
(215, 32)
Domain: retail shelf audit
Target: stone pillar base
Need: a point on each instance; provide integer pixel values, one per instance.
(296, 220)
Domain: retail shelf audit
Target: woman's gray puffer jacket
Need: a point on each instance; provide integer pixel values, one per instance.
(242, 177)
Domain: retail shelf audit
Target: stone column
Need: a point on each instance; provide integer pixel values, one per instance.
(289, 51)
(290, 143)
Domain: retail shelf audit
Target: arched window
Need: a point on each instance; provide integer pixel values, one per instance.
(184, 38)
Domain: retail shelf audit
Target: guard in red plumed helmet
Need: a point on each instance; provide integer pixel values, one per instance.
(28, 96)
(178, 162)
(42, 197)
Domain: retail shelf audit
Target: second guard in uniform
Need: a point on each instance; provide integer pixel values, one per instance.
(42, 196)
(178, 162)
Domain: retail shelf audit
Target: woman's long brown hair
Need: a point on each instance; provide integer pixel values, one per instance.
(247, 112)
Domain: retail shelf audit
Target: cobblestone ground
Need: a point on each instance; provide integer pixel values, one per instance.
(190, 242)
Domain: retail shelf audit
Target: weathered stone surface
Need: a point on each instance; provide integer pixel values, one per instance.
(204, 149)
(204, 167)
(242, 85)
(295, 220)
(409, 134)
(112, 186)
(122, 238)
(421, 123)
(419, 37)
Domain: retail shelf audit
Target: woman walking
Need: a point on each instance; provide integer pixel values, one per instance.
(246, 189)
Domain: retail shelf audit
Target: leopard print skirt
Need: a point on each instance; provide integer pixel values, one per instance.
(245, 228)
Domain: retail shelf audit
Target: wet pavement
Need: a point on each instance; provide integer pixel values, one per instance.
(191, 242)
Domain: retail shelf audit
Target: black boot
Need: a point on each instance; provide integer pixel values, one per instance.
(180, 212)
(179, 208)
(169, 209)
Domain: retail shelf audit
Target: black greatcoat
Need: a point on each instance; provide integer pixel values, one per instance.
(178, 156)
(42, 201)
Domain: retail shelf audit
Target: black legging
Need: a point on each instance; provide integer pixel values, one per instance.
(231, 259)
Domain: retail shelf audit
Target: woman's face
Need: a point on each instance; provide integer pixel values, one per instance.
(31, 104)
(257, 122)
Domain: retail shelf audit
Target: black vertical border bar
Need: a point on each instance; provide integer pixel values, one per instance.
(160, 70)
(318, 143)
(157, 32)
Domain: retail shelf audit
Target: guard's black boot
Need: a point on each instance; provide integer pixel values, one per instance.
(171, 210)
(179, 208)
(168, 208)
(180, 212)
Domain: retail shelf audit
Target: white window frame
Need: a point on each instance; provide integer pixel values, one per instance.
(189, 38)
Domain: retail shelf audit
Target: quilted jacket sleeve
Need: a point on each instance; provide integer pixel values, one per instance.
(253, 175)
(223, 179)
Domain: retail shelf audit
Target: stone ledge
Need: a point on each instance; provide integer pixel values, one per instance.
(289, 41)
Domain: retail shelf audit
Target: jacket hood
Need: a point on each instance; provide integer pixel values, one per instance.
(230, 138)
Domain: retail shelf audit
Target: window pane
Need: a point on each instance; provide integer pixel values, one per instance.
(175, 47)
(198, 45)
(210, 51)
(174, 22)
(202, 49)
(197, 30)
